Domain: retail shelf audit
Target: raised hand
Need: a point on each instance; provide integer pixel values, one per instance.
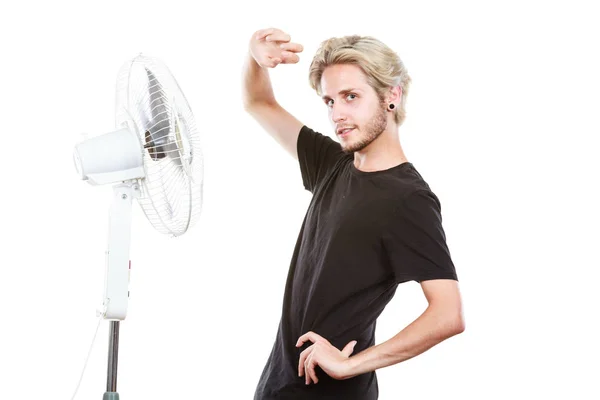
(271, 47)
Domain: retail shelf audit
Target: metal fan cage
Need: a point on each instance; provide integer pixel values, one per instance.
(150, 102)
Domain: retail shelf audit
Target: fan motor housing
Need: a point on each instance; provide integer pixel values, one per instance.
(112, 157)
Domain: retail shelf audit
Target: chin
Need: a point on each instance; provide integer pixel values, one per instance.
(351, 148)
(347, 146)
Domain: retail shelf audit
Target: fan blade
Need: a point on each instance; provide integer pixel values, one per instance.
(157, 131)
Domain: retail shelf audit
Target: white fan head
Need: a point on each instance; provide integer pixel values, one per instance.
(156, 143)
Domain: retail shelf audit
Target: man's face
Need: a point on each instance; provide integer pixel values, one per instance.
(356, 112)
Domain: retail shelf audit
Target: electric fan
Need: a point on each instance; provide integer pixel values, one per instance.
(154, 156)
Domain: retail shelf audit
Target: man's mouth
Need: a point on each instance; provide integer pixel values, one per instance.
(344, 132)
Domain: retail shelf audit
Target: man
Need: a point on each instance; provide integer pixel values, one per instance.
(373, 223)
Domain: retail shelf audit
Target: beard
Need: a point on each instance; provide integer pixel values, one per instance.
(373, 129)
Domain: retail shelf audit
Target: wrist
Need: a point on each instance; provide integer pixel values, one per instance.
(352, 367)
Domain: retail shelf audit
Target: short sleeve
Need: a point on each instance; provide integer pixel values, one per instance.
(415, 241)
(317, 154)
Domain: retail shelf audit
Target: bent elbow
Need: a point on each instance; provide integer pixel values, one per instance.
(458, 325)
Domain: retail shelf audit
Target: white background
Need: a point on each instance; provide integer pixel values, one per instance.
(502, 123)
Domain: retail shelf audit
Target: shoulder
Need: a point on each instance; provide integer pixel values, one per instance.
(311, 138)
(307, 131)
(422, 198)
(415, 203)
(412, 188)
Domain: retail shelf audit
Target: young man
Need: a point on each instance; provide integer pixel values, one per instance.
(373, 223)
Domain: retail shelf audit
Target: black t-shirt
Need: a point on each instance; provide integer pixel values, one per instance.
(363, 234)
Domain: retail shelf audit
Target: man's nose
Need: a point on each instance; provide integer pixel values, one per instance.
(338, 114)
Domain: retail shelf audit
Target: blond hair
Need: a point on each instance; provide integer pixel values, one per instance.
(381, 65)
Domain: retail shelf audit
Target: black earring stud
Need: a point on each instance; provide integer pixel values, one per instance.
(392, 106)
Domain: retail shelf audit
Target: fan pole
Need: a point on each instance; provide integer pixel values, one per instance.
(113, 359)
(116, 290)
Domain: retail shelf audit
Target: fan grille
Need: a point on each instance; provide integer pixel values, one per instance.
(150, 101)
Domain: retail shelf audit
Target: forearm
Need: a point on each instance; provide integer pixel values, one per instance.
(431, 328)
(257, 84)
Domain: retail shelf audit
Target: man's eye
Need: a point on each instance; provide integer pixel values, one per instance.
(330, 102)
(353, 96)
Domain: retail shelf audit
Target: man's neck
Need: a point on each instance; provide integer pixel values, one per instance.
(383, 153)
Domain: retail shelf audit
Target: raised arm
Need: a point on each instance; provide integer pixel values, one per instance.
(267, 49)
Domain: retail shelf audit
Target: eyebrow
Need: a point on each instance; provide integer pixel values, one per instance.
(343, 91)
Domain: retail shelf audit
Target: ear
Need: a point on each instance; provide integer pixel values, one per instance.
(395, 95)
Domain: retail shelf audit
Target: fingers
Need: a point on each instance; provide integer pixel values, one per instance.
(271, 47)
(289, 58)
(278, 36)
(274, 61)
(293, 47)
(309, 367)
(349, 348)
(264, 32)
(303, 356)
(272, 35)
(313, 337)
(288, 52)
